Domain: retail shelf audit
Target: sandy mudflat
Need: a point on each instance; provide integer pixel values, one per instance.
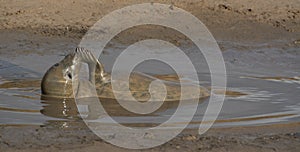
(283, 137)
(32, 25)
(69, 18)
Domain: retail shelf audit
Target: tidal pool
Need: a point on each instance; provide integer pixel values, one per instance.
(264, 83)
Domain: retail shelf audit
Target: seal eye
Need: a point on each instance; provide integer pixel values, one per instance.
(69, 75)
(56, 64)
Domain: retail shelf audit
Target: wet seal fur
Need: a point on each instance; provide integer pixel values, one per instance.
(57, 82)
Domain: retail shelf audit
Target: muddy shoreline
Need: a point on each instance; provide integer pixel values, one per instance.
(280, 137)
(42, 29)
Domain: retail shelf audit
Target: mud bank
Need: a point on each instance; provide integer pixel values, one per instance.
(284, 137)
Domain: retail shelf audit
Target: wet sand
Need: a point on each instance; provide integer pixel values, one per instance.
(282, 137)
(47, 30)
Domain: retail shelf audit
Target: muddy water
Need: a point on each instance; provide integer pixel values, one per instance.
(263, 79)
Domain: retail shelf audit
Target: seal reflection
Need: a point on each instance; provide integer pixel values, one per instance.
(68, 114)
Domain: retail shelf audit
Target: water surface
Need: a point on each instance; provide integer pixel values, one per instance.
(267, 77)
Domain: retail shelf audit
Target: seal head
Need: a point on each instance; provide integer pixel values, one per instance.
(57, 82)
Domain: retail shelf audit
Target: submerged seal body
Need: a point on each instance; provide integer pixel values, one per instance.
(57, 82)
